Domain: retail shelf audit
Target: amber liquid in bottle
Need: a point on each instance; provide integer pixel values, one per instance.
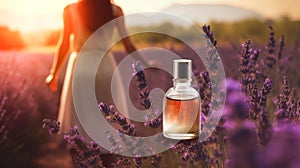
(181, 119)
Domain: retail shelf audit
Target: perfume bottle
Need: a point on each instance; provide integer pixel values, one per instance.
(181, 106)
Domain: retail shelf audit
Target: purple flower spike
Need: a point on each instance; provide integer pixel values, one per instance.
(53, 126)
(105, 109)
(209, 34)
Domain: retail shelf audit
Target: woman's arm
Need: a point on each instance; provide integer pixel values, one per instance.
(62, 51)
(123, 33)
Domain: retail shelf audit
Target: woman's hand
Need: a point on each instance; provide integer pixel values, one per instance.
(52, 82)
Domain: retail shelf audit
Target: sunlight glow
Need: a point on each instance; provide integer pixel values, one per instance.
(32, 15)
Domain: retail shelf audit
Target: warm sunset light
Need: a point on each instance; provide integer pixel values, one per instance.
(32, 15)
(269, 8)
(195, 83)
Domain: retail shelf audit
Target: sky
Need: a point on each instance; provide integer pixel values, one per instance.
(30, 15)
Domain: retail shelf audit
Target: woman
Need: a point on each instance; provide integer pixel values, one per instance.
(81, 19)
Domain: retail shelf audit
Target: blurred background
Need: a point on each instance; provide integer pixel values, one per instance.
(29, 32)
(233, 20)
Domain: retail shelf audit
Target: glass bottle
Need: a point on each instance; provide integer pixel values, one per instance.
(181, 106)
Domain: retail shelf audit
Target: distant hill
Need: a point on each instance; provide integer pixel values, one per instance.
(199, 13)
(207, 12)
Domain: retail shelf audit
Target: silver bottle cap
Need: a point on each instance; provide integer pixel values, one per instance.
(182, 69)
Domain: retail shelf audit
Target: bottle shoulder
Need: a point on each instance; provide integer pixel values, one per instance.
(182, 94)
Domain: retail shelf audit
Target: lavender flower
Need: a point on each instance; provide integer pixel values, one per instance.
(287, 107)
(155, 123)
(204, 85)
(253, 66)
(281, 46)
(139, 73)
(116, 117)
(264, 128)
(264, 124)
(146, 103)
(270, 46)
(185, 156)
(84, 155)
(53, 126)
(144, 97)
(142, 85)
(212, 55)
(209, 34)
(105, 109)
(265, 91)
(244, 66)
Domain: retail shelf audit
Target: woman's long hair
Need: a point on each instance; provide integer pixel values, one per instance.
(95, 13)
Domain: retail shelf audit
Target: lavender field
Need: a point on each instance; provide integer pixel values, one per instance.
(25, 101)
(259, 127)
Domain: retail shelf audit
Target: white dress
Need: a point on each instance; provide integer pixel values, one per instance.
(67, 115)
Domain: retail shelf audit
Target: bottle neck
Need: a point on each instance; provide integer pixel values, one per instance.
(182, 83)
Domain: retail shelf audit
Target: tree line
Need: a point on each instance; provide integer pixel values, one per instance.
(10, 39)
